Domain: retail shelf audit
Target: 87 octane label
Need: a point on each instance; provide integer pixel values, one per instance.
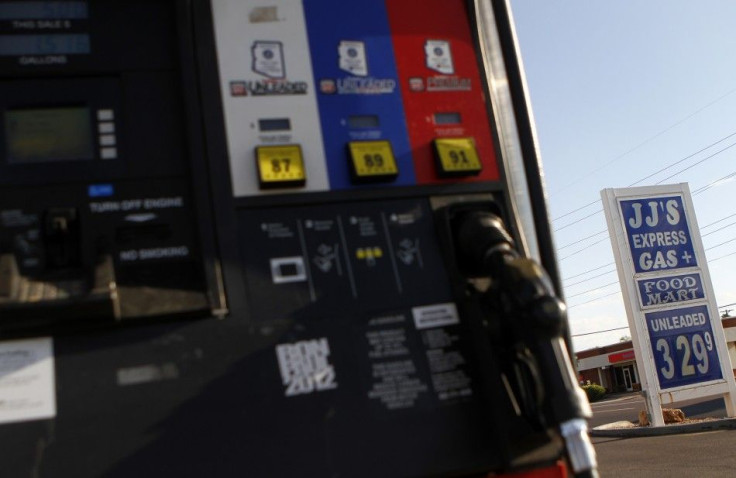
(683, 346)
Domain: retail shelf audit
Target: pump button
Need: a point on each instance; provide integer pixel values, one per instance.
(280, 166)
(372, 161)
(456, 157)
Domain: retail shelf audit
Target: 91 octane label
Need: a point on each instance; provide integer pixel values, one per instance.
(373, 159)
(280, 166)
(457, 156)
(683, 346)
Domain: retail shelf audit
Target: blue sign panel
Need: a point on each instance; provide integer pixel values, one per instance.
(358, 90)
(658, 233)
(683, 346)
(660, 290)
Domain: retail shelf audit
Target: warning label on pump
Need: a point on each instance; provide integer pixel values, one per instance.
(396, 385)
(435, 315)
(27, 389)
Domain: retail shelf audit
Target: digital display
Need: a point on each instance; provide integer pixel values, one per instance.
(447, 118)
(275, 124)
(62, 44)
(43, 10)
(363, 121)
(48, 134)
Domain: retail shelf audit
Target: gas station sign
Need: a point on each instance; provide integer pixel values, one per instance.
(684, 349)
(678, 340)
(658, 234)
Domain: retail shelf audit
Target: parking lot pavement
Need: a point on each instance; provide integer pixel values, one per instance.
(626, 408)
(615, 408)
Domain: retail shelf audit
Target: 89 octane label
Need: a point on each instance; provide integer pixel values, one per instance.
(683, 346)
(373, 159)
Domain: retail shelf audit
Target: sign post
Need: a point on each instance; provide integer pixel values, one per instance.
(677, 334)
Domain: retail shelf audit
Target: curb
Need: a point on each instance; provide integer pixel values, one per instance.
(723, 424)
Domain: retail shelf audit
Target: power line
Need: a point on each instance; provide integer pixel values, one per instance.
(596, 299)
(720, 220)
(589, 270)
(601, 240)
(710, 185)
(611, 263)
(590, 278)
(701, 228)
(722, 257)
(583, 239)
(591, 290)
(683, 159)
(605, 231)
(579, 220)
(721, 244)
(648, 140)
(575, 210)
(583, 249)
(719, 229)
(610, 284)
(618, 291)
(654, 174)
(600, 331)
(695, 164)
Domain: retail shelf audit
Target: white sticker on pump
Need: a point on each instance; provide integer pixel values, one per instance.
(268, 89)
(27, 387)
(438, 315)
(352, 57)
(268, 59)
(439, 56)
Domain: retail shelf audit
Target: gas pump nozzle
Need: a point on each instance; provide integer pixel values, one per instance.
(535, 318)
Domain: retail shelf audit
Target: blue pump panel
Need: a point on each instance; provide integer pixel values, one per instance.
(356, 78)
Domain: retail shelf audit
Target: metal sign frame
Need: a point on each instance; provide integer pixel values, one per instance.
(666, 285)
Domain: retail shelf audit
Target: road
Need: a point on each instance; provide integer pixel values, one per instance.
(627, 407)
(707, 454)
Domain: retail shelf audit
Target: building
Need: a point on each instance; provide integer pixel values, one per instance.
(614, 366)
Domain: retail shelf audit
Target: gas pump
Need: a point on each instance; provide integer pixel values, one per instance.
(268, 238)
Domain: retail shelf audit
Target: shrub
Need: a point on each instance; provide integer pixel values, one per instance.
(594, 392)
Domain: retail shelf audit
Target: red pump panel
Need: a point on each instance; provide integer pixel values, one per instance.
(440, 83)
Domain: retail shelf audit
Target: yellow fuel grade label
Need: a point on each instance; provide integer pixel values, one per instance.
(280, 166)
(373, 160)
(457, 156)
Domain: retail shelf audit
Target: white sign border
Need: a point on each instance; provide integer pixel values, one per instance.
(627, 274)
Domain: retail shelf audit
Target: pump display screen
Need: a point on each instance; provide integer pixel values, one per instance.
(48, 134)
(275, 124)
(363, 121)
(447, 118)
(43, 10)
(62, 44)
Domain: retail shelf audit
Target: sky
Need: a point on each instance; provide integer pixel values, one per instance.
(631, 93)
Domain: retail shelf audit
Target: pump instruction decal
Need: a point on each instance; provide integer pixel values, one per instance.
(27, 385)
